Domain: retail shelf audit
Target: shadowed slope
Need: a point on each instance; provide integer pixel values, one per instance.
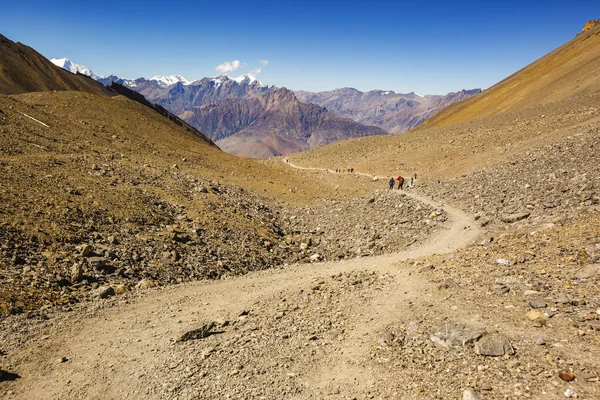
(22, 70)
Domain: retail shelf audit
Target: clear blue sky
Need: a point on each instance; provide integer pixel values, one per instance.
(430, 47)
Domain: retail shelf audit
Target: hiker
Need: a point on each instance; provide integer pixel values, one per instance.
(392, 181)
(400, 182)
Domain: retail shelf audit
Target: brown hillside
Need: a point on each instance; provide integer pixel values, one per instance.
(23, 70)
(78, 168)
(570, 70)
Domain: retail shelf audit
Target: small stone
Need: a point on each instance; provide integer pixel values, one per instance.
(457, 335)
(86, 250)
(199, 333)
(587, 272)
(470, 394)
(535, 315)
(595, 325)
(562, 298)
(539, 340)
(103, 292)
(567, 376)
(145, 283)
(120, 289)
(315, 257)
(570, 394)
(63, 360)
(76, 273)
(97, 262)
(494, 345)
(538, 302)
(514, 217)
(530, 292)
(426, 268)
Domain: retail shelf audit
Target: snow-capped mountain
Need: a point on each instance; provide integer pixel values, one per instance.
(69, 65)
(170, 80)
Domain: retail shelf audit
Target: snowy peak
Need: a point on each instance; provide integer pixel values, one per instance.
(170, 80)
(70, 66)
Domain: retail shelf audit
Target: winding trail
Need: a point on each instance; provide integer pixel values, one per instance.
(121, 351)
(462, 229)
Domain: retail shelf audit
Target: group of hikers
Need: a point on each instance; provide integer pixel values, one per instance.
(401, 182)
(348, 170)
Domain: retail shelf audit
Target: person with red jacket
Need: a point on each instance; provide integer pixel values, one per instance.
(400, 182)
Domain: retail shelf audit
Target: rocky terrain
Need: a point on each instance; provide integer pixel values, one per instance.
(391, 111)
(481, 282)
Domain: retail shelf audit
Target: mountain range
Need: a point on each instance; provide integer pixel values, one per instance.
(245, 117)
(391, 111)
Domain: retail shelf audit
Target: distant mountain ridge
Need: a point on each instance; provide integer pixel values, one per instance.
(271, 124)
(70, 66)
(391, 111)
(249, 111)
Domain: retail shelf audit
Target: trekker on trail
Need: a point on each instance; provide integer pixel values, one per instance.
(400, 182)
(392, 181)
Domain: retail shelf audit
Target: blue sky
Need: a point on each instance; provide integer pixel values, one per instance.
(430, 47)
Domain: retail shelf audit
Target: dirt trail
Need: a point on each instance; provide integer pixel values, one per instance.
(128, 350)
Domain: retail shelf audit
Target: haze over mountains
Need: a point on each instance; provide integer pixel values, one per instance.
(245, 117)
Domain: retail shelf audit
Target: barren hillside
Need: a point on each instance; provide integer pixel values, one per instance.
(22, 70)
(569, 71)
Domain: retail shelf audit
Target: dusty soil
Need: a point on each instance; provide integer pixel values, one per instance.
(358, 328)
(276, 328)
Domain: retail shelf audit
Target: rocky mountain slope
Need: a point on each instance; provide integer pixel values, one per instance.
(272, 124)
(182, 95)
(22, 70)
(391, 111)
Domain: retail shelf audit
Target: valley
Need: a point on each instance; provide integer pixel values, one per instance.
(139, 260)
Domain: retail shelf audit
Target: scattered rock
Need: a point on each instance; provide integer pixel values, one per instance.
(539, 340)
(103, 292)
(494, 345)
(538, 318)
(538, 302)
(470, 394)
(97, 263)
(595, 325)
(562, 298)
(514, 217)
(455, 335)
(567, 376)
(199, 333)
(76, 272)
(587, 272)
(570, 394)
(145, 283)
